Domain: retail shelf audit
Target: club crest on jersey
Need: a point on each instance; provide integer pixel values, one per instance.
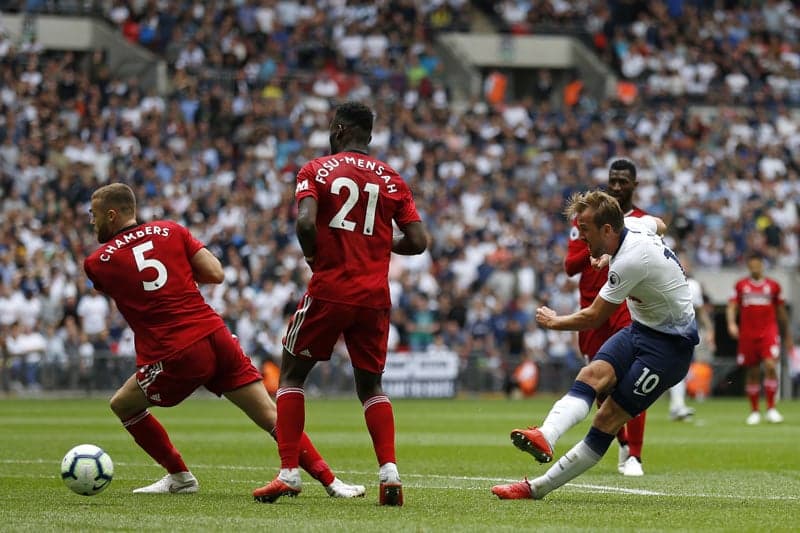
(613, 279)
(574, 233)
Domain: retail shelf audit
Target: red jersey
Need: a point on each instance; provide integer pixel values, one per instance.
(592, 280)
(757, 301)
(146, 269)
(358, 197)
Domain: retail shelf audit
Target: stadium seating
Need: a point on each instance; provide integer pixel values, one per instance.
(251, 88)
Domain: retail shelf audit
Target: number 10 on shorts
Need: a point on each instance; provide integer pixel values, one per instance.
(646, 383)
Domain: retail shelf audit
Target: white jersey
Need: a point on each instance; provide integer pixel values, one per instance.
(648, 274)
(697, 292)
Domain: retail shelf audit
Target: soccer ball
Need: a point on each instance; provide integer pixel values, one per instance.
(87, 469)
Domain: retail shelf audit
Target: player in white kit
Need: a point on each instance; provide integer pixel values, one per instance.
(636, 365)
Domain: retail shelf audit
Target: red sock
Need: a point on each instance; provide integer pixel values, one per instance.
(291, 419)
(310, 460)
(622, 436)
(753, 391)
(635, 430)
(770, 391)
(151, 436)
(313, 463)
(380, 423)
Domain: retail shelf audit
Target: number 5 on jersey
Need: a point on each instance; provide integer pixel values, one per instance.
(142, 263)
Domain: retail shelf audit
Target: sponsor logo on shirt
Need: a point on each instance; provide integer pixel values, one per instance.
(302, 186)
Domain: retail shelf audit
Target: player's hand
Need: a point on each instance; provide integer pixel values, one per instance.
(711, 342)
(545, 316)
(733, 331)
(601, 262)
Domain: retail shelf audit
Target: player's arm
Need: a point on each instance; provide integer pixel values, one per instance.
(206, 267)
(705, 323)
(306, 227)
(652, 223)
(577, 257)
(413, 241)
(90, 275)
(783, 323)
(587, 318)
(661, 226)
(730, 316)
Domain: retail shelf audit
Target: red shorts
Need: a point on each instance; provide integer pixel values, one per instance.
(216, 362)
(590, 340)
(752, 351)
(317, 324)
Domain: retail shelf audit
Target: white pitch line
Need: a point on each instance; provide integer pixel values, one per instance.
(576, 487)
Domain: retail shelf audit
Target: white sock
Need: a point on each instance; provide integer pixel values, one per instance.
(182, 477)
(290, 476)
(389, 473)
(564, 414)
(572, 464)
(677, 396)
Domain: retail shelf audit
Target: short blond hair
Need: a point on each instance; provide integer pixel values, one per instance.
(606, 208)
(117, 196)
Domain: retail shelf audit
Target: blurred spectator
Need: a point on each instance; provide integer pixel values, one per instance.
(251, 90)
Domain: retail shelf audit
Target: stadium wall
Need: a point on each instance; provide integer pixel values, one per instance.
(84, 34)
(558, 52)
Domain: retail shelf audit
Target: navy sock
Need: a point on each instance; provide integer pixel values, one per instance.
(581, 390)
(598, 441)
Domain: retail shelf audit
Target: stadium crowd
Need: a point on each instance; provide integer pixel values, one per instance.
(252, 87)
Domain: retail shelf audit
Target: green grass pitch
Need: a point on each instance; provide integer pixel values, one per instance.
(714, 474)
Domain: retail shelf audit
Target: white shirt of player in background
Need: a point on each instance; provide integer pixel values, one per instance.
(697, 292)
(648, 274)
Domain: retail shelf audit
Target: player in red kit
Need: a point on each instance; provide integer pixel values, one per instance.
(151, 270)
(347, 203)
(621, 185)
(762, 311)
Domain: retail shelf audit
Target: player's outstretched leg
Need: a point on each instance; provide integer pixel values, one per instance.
(312, 462)
(573, 407)
(151, 436)
(576, 461)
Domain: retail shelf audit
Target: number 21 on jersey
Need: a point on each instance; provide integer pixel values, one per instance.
(339, 220)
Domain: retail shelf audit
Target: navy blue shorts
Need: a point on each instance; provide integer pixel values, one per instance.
(646, 362)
